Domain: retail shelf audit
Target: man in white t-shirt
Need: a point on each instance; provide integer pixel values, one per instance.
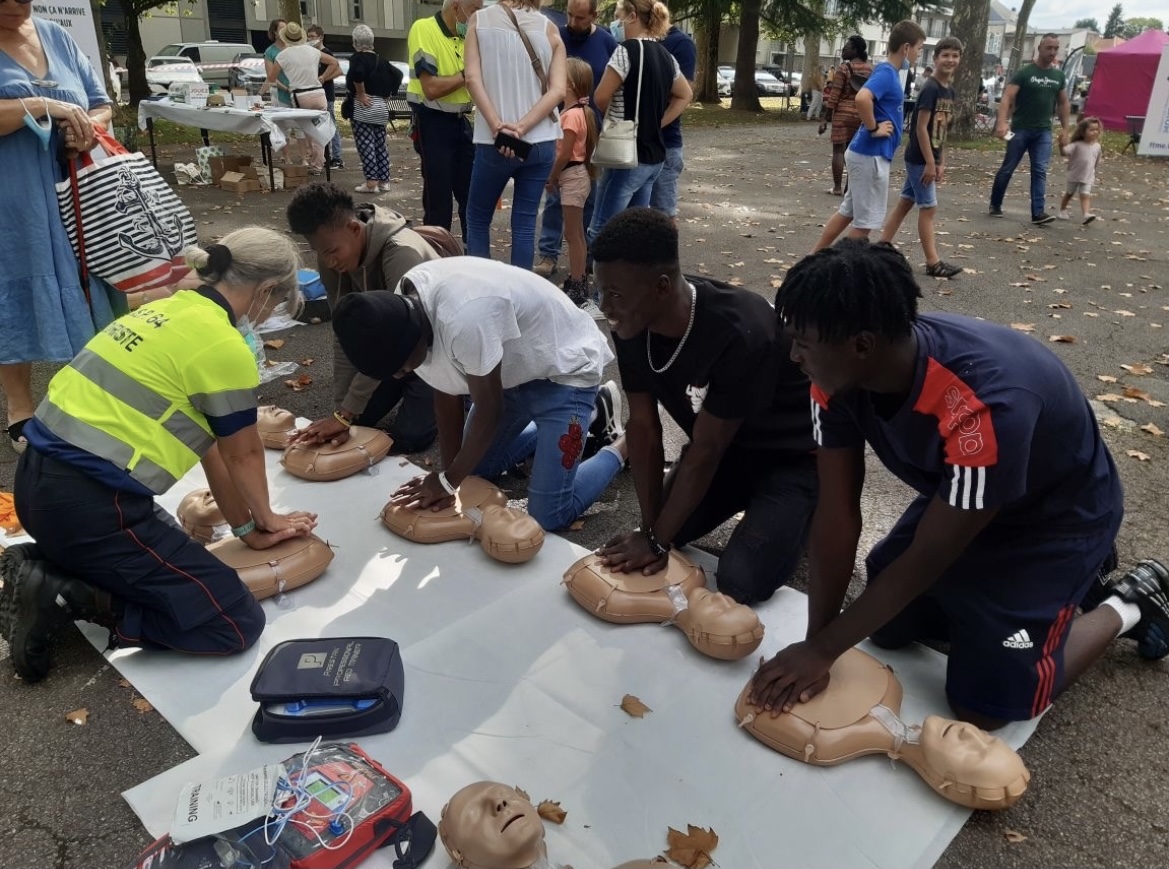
(529, 359)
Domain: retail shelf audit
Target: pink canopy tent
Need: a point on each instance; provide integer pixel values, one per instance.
(1123, 79)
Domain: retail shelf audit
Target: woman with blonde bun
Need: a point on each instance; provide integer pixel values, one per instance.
(169, 385)
(642, 68)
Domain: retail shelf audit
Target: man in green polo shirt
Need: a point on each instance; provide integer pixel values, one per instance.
(1034, 94)
(441, 103)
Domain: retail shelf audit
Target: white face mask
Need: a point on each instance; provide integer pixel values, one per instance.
(251, 337)
(315, 43)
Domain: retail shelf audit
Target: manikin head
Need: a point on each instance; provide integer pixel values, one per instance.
(964, 754)
(635, 262)
(844, 307)
(488, 825)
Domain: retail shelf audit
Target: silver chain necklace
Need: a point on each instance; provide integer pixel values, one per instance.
(649, 355)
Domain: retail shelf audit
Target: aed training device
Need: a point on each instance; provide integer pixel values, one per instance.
(333, 809)
(333, 687)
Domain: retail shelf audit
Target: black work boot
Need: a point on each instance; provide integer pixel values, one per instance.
(36, 600)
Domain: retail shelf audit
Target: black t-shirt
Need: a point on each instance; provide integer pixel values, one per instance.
(380, 77)
(655, 96)
(735, 365)
(938, 99)
(330, 91)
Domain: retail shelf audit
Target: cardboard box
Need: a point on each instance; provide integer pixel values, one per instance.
(295, 176)
(231, 163)
(235, 182)
(216, 101)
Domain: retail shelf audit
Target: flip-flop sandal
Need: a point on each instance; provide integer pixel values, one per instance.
(15, 433)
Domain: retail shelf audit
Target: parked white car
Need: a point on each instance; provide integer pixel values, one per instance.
(162, 72)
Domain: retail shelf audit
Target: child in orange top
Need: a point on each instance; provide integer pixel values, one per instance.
(572, 174)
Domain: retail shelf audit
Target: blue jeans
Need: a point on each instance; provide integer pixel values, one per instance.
(619, 189)
(335, 145)
(664, 196)
(1036, 144)
(552, 223)
(542, 417)
(488, 179)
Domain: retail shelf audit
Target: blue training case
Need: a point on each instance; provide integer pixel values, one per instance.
(335, 687)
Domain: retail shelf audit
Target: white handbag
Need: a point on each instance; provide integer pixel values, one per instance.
(617, 145)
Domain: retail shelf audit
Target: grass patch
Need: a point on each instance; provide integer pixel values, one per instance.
(1112, 142)
(775, 111)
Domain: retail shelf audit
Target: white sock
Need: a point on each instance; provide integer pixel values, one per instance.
(1129, 613)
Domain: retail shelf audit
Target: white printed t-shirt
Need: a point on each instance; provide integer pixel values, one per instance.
(485, 313)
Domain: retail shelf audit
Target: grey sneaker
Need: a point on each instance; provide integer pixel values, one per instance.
(546, 267)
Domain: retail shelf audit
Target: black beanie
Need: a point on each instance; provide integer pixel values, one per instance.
(377, 331)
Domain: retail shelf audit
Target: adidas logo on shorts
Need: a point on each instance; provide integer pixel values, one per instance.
(1018, 640)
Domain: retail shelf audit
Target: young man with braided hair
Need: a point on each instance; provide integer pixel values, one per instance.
(1018, 501)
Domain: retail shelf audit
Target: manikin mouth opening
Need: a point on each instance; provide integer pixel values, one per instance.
(510, 821)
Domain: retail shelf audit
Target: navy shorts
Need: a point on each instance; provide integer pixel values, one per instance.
(1005, 607)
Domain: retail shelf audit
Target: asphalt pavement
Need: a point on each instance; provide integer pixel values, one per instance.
(753, 201)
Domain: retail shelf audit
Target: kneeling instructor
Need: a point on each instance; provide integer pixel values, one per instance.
(168, 385)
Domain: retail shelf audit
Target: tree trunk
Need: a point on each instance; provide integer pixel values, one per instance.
(969, 24)
(744, 95)
(290, 10)
(707, 30)
(811, 54)
(135, 60)
(1017, 59)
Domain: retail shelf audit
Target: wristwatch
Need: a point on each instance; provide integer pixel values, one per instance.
(654, 546)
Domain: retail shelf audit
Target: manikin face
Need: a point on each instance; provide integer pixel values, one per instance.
(632, 296)
(488, 825)
(580, 18)
(715, 613)
(339, 247)
(834, 366)
(969, 755)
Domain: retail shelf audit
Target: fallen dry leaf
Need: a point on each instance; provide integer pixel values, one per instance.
(523, 793)
(1062, 339)
(1023, 327)
(300, 384)
(577, 525)
(142, 704)
(1138, 368)
(692, 848)
(1064, 305)
(307, 362)
(1152, 429)
(551, 811)
(1133, 392)
(77, 716)
(1138, 455)
(1108, 396)
(1125, 313)
(274, 343)
(1014, 836)
(122, 683)
(633, 707)
(1105, 378)
(1152, 402)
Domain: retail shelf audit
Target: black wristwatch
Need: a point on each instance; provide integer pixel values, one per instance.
(654, 546)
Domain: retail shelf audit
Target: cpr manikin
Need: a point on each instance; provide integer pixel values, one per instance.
(266, 572)
(329, 461)
(488, 825)
(858, 713)
(480, 512)
(714, 624)
(276, 426)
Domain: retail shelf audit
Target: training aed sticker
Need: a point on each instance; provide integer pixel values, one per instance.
(206, 808)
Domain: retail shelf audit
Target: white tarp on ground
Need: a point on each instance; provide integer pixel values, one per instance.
(508, 679)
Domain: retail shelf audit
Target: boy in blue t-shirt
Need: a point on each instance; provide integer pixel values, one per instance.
(1017, 509)
(880, 106)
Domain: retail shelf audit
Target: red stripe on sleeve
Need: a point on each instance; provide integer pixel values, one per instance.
(964, 422)
(820, 396)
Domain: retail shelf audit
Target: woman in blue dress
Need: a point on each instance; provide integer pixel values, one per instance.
(50, 98)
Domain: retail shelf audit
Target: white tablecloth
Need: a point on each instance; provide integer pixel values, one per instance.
(317, 125)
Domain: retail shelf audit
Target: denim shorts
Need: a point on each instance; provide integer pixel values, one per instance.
(923, 195)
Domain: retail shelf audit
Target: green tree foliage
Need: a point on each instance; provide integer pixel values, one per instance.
(1136, 26)
(1115, 23)
(1088, 24)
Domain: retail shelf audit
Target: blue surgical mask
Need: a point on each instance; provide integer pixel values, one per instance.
(461, 29)
(617, 28)
(905, 63)
(244, 326)
(43, 131)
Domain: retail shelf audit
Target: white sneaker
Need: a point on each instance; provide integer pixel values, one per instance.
(1089, 218)
(1063, 215)
(606, 427)
(590, 308)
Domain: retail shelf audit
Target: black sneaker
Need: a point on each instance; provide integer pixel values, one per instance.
(1147, 585)
(1102, 587)
(1042, 219)
(337, 164)
(30, 614)
(607, 427)
(995, 212)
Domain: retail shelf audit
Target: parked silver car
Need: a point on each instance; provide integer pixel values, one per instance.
(247, 72)
(162, 72)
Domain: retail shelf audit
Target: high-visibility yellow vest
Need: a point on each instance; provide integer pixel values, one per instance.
(438, 51)
(140, 393)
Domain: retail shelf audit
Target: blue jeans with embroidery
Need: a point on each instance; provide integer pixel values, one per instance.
(619, 189)
(488, 179)
(550, 421)
(1037, 145)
